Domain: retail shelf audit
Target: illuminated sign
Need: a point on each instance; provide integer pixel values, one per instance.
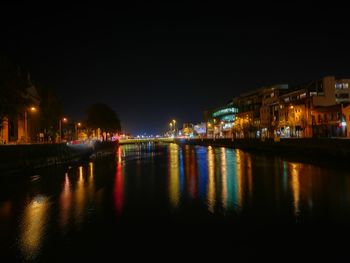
(225, 111)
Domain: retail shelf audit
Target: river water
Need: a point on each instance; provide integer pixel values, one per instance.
(168, 192)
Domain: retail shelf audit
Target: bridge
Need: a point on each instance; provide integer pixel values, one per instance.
(146, 140)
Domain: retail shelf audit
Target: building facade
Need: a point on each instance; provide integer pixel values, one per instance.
(318, 108)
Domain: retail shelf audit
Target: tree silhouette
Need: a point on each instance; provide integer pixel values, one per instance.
(50, 110)
(13, 85)
(101, 116)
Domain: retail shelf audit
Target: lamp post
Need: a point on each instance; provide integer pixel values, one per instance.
(31, 109)
(171, 127)
(174, 123)
(60, 126)
(77, 126)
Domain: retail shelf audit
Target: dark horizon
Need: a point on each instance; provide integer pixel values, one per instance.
(155, 63)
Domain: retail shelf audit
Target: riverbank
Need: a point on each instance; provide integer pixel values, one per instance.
(17, 158)
(307, 148)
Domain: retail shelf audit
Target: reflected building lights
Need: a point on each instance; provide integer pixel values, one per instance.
(187, 167)
(223, 178)
(174, 180)
(201, 153)
(79, 198)
(249, 170)
(119, 188)
(211, 180)
(193, 174)
(91, 186)
(33, 226)
(181, 172)
(91, 168)
(239, 176)
(120, 154)
(230, 178)
(295, 184)
(65, 202)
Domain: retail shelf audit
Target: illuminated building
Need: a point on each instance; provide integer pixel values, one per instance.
(220, 121)
(20, 127)
(318, 108)
(269, 110)
(314, 109)
(247, 122)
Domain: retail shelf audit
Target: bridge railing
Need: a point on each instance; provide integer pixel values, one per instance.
(146, 140)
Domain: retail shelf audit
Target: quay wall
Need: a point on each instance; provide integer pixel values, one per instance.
(316, 148)
(16, 158)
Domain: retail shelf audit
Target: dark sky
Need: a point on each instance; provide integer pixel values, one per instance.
(152, 63)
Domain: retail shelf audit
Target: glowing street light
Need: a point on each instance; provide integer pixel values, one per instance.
(77, 126)
(174, 123)
(31, 109)
(64, 119)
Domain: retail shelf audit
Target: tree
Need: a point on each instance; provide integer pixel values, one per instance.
(50, 111)
(101, 116)
(13, 85)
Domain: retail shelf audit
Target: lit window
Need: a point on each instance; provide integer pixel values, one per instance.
(338, 85)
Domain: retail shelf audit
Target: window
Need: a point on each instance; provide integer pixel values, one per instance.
(338, 85)
(303, 95)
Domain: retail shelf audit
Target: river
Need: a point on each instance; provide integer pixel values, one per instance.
(167, 191)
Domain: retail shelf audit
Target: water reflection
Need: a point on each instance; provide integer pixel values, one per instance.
(119, 184)
(166, 178)
(219, 175)
(80, 198)
(295, 185)
(211, 199)
(174, 175)
(91, 182)
(34, 225)
(65, 202)
(223, 178)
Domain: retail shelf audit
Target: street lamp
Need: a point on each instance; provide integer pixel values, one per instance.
(174, 122)
(60, 126)
(77, 125)
(31, 109)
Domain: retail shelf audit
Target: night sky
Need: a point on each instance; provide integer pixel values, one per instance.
(152, 63)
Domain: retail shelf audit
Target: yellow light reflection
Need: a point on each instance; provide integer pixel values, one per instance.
(79, 197)
(250, 177)
(211, 180)
(91, 185)
(239, 178)
(65, 202)
(174, 180)
(295, 184)
(120, 154)
(91, 165)
(34, 223)
(224, 178)
(119, 188)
